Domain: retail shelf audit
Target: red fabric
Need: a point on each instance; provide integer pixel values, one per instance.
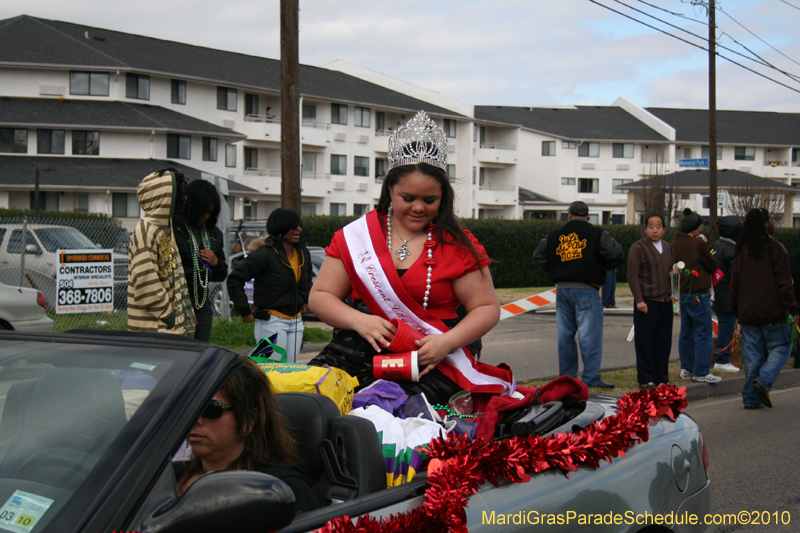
(492, 406)
(564, 387)
(452, 262)
(716, 277)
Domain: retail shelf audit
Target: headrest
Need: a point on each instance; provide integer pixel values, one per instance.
(309, 416)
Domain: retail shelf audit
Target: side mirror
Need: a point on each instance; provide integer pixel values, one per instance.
(32, 249)
(224, 501)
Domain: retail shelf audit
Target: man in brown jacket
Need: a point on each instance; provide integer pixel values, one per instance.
(695, 345)
(649, 265)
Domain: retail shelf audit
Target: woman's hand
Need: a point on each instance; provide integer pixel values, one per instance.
(376, 330)
(209, 257)
(432, 350)
(249, 318)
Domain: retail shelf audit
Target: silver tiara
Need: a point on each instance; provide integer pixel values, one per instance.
(420, 140)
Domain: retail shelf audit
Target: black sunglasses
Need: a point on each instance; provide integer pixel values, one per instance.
(214, 409)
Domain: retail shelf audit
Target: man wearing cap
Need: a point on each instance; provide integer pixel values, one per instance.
(576, 257)
(695, 345)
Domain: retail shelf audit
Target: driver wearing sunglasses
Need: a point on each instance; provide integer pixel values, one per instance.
(241, 429)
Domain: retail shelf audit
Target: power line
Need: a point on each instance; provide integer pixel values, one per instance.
(790, 5)
(695, 45)
(756, 36)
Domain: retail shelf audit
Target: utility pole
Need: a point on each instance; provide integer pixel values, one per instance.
(712, 122)
(290, 105)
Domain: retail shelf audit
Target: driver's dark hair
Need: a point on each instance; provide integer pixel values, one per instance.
(754, 236)
(259, 423)
(201, 198)
(446, 225)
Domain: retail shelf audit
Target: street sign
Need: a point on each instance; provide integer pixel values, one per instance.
(693, 162)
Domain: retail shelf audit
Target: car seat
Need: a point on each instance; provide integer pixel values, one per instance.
(57, 427)
(342, 454)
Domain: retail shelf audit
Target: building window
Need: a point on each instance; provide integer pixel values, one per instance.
(548, 148)
(616, 182)
(622, 150)
(308, 209)
(137, 86)
(474, 139)
(338, 210)
(338, 164)
(617, 219)
(85, 142)
(569, 145)
(50, 141)
(380, 121)
(81, 202)
(589, 150)
(481, 214)
(251, 158)
(88, 83)
(14, 140)
(124, 205)
(380, 168)
(309, 165)
(179, 146)
(250, 104)
(686, 196)
(361, 166)
(338, 114)
(249, 210)
(474, 175)
(226, 98)
(362, 117)
(309, 115)
(48, 201)
(450, 128)
(209, 148)
(687, 153)
(744, 153)
(481, 177)
(451, 172)
(360, 209)
(230, 155)
(179, 92)
(706, 202)
(568, 181)
(588, 185)
(705, 150)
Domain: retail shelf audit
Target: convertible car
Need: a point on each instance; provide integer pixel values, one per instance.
(92, 421)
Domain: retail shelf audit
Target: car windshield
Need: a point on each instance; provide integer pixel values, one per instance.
(61, 407)
(64, 238)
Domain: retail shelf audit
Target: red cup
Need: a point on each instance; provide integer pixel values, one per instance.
(396, 367)
(403, 340)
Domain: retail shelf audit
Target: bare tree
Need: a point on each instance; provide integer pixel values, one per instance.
(660, 193)
(755, 193)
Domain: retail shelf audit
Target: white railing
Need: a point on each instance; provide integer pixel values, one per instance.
(498, 146)
(262, 118)
(776, 164)
(383, 133)
(270, 172)
(308, 123)
(497, 188)
(315, 176)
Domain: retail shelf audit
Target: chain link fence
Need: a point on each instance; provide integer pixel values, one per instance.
(29, 258)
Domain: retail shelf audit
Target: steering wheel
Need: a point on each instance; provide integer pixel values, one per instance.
(48, 466)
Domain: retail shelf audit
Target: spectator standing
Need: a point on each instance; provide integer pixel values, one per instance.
(722, 250)
(280, 267)
(649, 266)
(576, 257)
(609, 288)
(762, 298)
(200, 244)
(695, 345)
(794, 263)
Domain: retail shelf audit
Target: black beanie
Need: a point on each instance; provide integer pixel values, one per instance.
(690, 221)
(283, 220)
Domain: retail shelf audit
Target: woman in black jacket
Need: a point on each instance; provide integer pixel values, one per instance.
(200, 244)
(280, 267)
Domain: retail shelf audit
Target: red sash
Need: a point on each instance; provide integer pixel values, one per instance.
(373, 275)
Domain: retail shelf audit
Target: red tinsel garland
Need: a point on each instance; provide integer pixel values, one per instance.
(457, 467)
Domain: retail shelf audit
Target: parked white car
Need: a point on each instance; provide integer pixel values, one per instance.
(23, 309)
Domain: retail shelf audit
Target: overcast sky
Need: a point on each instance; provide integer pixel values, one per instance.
(494, 52)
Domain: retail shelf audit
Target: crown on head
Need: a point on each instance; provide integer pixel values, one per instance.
(419, 140)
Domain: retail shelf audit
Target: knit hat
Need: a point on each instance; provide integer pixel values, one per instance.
(690, 221)
(282, 221)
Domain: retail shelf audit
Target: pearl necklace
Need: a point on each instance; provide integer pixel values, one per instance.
(196, 269)
(430, 244)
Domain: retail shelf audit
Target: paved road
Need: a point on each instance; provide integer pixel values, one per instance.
(753, 458)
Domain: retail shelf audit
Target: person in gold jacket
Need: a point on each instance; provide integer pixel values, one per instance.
(158, 297)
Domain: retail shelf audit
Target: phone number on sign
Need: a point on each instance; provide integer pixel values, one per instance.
(85, 296)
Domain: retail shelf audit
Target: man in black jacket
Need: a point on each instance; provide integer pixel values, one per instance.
(722, 250)
(577, 256)
(280, 267)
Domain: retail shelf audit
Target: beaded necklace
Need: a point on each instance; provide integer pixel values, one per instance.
(200, 274)
(430, 244)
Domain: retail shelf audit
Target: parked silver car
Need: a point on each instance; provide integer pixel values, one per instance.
(23, 309)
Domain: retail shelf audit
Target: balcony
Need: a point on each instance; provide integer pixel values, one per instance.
(504, 154)
(315, 185)
(497, 195)
(315, 133)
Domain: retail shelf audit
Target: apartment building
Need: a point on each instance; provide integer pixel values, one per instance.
(95, 110)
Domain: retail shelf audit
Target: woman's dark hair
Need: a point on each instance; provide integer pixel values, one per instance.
(651, 215)
(259, 423)
(201, 198)
(446, 225)
(754, 235)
